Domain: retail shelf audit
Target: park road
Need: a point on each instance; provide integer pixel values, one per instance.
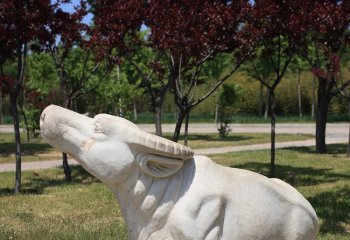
(336, 133)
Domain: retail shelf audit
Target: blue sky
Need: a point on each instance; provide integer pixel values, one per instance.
(70, 8)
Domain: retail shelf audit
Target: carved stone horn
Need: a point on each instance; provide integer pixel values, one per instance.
(159, 146)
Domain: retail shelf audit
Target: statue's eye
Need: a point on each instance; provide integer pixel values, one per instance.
(98, 128)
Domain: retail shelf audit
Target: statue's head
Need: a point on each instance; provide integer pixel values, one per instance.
(111, 148)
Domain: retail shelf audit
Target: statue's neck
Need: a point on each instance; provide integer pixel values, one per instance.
(146, 201)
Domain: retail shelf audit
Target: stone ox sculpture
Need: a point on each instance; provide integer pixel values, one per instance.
(167, 193)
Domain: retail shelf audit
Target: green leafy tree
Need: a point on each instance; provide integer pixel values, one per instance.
(117, 93)
(41, 89)
(260, 69)
(296, 67)
(227, 98)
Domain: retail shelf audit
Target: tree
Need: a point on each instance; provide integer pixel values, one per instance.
(276, 25)
(117, 93)
(21, 21)
(298, 65)
(148, 66)
(118, 30)
(190, 34)
(328, 31)
(343, 87)
(227, 98)
(260, 68)
(77, 73)
(40, 90)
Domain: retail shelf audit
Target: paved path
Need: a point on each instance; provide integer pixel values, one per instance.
(336, 133)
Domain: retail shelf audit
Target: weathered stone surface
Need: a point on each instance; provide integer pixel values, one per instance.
(167, 193)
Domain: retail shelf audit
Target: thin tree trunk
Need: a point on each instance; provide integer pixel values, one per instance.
(25, 123)
(313, 106)
(299, 94)
(120, 108)
(261, 100)
(14, 110)
(348, 149)
(179, 121)
(186, 127)
(135, 110)
(267, 104)
(66, 168)
(158, 115)
(1, 109)
(272, 106)
(323, 101)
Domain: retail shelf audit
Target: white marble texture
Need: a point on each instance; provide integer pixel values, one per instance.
(167, 193)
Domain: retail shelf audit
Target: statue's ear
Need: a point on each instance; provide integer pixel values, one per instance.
(158, 166)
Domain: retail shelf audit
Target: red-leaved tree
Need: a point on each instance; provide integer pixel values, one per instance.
(190, 34)
(328, 23)
(279, 28)
(117, 34)
(184, 35)
(21, 22)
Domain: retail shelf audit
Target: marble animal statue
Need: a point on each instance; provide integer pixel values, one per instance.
(166, 192)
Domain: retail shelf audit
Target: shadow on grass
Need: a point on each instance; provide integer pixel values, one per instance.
(334, 208)
(30, 148)
(332, 149)
(296, 176)
(214, 137)
(39, 181)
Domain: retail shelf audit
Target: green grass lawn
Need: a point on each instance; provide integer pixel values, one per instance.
(238, 139)
(38, 150)
(49, 208)
(35, 150)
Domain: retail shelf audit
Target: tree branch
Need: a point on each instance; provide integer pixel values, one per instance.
(217, 85)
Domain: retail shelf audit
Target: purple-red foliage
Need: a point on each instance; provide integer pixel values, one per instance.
(38, 23)
(329, 26)
(22, 21)
(6, 83)
(117, 23)
(188, 28)
(68, 26)
(273, 19)
(196, 28)
(39, 101)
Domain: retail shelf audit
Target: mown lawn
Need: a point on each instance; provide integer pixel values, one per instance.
(35, 150)
(238, 139)
(38, 150)
(85, 209)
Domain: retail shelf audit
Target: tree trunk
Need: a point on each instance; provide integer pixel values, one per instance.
(261, 100)
(323, 100)
(313, 97)
(135, 110)
(267, 107)
(179, 121)
(120, 108)
(348, 149)
(14, 111)
(25, 123)
(272, 106)
(186, 127)
(158, 115)
(66, 168)
(299, 93)
(1, 109)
